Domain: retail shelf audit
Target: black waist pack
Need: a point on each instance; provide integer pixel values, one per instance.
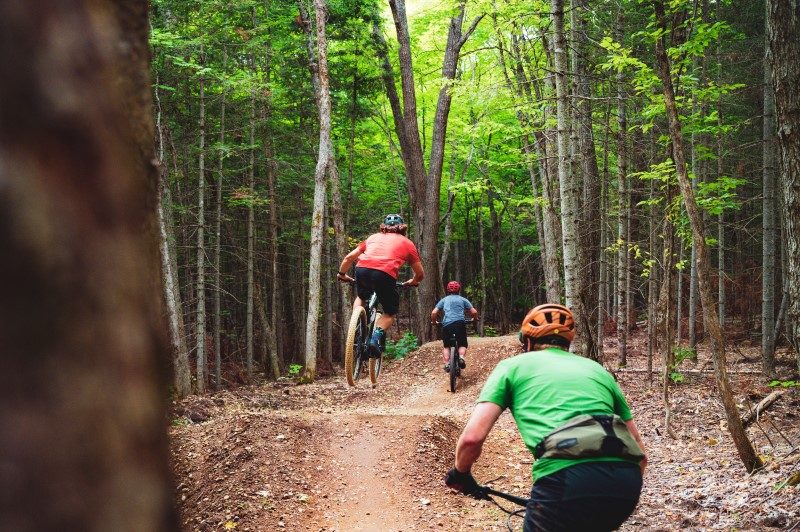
(587, 436)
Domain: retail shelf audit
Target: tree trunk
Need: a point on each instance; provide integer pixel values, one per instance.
(570, 205)
(200, 319)
(218, 241)
(317, 227)
(711, 322)
(169, 273)
(783, 31)
(424, 188)
(769, 227)
(251, 233)
(275, 287)
(590, 225)
(623, 199)
(81, 324)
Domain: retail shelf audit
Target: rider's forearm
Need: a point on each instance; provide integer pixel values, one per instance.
(470, 443)
(345, 266)
(467, 452)
(636, 436)
(419, 272)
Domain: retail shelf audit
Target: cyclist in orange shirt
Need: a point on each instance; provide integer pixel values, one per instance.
(379, 259)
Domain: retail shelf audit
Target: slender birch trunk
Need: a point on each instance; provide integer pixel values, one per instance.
(323, 159)
(622, 223)
(169, 271)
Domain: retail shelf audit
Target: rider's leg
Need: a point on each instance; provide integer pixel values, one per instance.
(382, 325)
(385, 321)
(445, 354)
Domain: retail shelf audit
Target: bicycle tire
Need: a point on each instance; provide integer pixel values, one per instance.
(453, 369)
(375, 364)
(354, 346)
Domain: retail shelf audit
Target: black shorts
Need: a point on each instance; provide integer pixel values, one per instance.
(459, 328)
(592, 496)
(369, 281)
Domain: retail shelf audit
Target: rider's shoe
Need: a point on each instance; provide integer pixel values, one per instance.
(461, 363)
(447, 368)
(376, 343)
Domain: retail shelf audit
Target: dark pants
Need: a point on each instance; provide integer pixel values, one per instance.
(459, 328)
(369, 281)
(590, 497)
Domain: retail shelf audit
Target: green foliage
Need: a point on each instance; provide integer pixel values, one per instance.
(488, 330)
(294, 370)
(680, 354)
(784, 384)
(399, 349)
(181, 422)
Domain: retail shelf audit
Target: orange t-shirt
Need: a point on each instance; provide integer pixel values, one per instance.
(387, 252)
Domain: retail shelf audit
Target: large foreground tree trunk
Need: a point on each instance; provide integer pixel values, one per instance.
(783, 32)
(323, 159)
(84, 445)
(708, 302)
(570, 199)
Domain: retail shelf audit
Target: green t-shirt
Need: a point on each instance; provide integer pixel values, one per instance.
(546, 388)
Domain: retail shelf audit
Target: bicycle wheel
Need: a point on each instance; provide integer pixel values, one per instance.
(375, 364)
(355, 345)
(453, 368)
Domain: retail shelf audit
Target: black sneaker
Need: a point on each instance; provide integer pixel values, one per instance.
(461, 363)
(447, 368)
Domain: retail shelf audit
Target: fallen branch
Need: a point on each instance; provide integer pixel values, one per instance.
(761, 406)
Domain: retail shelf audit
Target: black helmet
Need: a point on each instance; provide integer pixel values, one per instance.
(393, 219)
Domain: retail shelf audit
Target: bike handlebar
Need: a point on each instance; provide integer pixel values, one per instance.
(466, 320)
(507, 496)
(397, 283)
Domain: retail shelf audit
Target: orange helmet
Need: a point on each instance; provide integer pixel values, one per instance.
(549, 319)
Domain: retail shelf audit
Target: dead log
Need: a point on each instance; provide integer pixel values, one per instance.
(763, 405)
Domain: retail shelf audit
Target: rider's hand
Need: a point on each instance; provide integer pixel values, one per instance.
(411, 282)
(344, 278)
(464, 482)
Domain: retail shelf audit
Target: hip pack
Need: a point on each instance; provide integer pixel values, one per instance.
(587, 436)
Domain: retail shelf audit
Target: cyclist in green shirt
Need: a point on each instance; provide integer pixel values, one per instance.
(544, 388)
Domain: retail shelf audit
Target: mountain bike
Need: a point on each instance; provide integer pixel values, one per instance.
(359, 333)
(453, 359)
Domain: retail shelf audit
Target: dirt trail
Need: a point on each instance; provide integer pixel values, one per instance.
(327, 457)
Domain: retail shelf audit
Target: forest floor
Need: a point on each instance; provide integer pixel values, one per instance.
(325, 457)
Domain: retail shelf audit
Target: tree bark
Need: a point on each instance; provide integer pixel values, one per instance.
(251, 229)
(768, 221)
(81, 323)
(748, 456)
(218, 240)
(317, 226)
(424, 187)
(623, 265)
(590, 224)
(783, 33)
(200, 319)
(182, 377)
(570, 199)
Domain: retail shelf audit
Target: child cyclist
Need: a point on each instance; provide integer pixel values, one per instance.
(454, 307)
